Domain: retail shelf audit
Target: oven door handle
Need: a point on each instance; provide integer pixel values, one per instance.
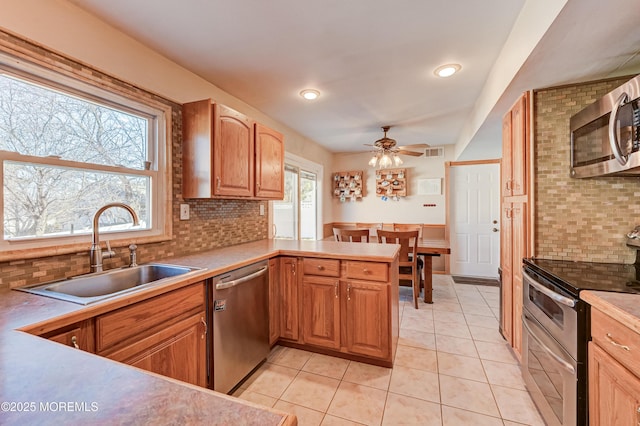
(552, 294)
(559, 360)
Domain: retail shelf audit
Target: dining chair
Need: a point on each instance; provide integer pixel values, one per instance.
(408, 259)
(372, 227)
(412, 227)
(408, 227)
(351, 235)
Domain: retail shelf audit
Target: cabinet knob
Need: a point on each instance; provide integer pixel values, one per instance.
(74, 342)
(320, 268)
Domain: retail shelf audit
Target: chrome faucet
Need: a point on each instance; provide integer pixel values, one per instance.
(96, 255)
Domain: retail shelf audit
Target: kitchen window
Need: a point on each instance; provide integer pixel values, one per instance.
(68, 148)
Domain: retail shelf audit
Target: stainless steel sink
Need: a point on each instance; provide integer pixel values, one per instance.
(85, 289)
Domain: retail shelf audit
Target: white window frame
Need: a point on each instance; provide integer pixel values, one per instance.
(159, 154)
(309, 166)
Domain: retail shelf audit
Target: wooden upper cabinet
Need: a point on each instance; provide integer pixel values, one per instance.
(269, 163)
(233, 153)
(515, 139)
(227, 155)
(197, 149)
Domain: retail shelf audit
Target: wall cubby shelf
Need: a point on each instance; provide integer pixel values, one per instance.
(391, 183)
(348, 186)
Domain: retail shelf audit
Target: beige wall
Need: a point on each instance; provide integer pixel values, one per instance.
(409, 209)
(577, 219)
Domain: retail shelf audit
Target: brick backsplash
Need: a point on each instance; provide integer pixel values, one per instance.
(212, 224)
(577, 219)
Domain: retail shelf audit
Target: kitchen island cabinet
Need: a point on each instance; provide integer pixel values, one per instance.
(342, 312)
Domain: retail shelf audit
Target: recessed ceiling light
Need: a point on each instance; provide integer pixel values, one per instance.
(310, 94)
(447, 70)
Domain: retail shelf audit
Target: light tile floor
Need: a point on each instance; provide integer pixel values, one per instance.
(452, 368)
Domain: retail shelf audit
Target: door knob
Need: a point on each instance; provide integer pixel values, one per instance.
(495, 229)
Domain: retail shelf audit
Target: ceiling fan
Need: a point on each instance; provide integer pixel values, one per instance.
(385, 151)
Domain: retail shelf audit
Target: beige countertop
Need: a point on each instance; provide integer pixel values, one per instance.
(622, 307)
(42, 382)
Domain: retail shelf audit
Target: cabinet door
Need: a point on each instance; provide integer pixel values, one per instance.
(506, 263)
(366, 318)
(269, 163)
(289, 324)
(519, 129)
(197, 149)
(506, 163)
(233, 153)
(178, 351)
(274, 300)
(614, 392)
(519, 250)
(79, 336)
(321, 311)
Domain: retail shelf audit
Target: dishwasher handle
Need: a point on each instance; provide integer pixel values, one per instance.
(233, 283)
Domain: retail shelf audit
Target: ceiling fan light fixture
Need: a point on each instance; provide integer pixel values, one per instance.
(310, 94)
(447, 70)
(385, 161)
(397, 161)
(374, 160)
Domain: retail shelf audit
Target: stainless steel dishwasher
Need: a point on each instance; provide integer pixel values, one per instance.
(240, 314)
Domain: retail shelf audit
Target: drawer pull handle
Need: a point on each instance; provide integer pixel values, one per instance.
(616, 344)
(349, 292)
(74, 341)
(320, 268)
(335, 289)
(205, 327)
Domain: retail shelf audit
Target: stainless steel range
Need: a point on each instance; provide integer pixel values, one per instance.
(555, 333)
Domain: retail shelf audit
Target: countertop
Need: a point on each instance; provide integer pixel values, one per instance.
(42, 382)
(623, 307)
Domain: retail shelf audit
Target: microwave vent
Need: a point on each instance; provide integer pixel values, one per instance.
(434, 152)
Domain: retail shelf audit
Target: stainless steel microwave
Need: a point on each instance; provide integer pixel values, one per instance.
(605, 136)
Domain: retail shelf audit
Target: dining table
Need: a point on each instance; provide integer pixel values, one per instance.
(427, 249)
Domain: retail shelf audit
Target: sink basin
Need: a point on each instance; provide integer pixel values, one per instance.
(85, 289)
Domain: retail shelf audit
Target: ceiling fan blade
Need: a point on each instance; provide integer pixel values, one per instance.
(412, 153)
(415, 146)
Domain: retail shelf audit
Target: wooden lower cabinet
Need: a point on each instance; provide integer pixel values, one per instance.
(166, 334)
(80, 336)
(321, 311)
(178, 351)
(614, 391)
(346, 315)
(274, 300)
(367, 321)
(289, 319)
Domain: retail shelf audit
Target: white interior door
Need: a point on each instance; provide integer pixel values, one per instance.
(475, 220)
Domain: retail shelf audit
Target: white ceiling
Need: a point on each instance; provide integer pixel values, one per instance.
(373, 60)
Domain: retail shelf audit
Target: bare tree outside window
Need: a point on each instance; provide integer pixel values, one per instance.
(86, 155)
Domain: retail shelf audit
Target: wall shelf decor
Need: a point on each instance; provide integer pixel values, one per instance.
(391, 183)
(348, 186)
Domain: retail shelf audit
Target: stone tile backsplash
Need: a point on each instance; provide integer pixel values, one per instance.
(577, 219)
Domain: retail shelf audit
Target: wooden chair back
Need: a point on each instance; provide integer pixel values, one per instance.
(351, 235)
(408, 257)
(408, 227)
(372, 227)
